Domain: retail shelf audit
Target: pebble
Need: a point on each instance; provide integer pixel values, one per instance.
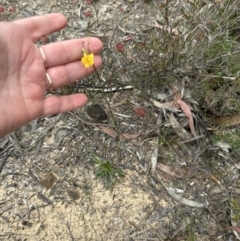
(97, 113)
(53, 3)
(54, 36)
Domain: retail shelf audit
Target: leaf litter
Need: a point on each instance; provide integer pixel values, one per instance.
(135, 208)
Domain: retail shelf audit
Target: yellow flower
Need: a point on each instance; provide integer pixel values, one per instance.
(87, 59)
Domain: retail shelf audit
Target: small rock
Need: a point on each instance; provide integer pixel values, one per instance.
(97, 113)
(54, 36)
(53, 3)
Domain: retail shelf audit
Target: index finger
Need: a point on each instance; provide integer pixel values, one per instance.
(64, 52)
(42, 25)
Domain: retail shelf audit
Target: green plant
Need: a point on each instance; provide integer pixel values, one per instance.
(235, 207)
(230, 137)
(106, 170)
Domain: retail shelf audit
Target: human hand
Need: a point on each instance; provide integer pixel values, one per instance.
(23, 81)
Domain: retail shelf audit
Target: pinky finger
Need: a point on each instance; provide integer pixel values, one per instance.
(59, 104)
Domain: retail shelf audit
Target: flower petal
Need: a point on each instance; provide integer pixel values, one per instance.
(87, 59)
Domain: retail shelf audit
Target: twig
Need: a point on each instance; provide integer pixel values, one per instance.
(224, 77)
(2, 163)
(161, 236)
(107, 90)
(136, 227)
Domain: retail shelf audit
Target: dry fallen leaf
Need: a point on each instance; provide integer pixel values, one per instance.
(228, 121)
(185, 108)
(178, 129)
(119, 47)
(167, 105)
(154, 159)
(47, 180)
(183, 200)
(171, 170)
(111, 132)
(235, 228)
(130, 136)
(74, 195)
(140, 111)
(188, 113)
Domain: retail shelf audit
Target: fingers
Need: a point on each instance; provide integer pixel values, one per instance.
(66, 74)
(71, 50)
(58, 104)
(42, 25)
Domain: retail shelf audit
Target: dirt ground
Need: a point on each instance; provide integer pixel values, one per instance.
(172, 190)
